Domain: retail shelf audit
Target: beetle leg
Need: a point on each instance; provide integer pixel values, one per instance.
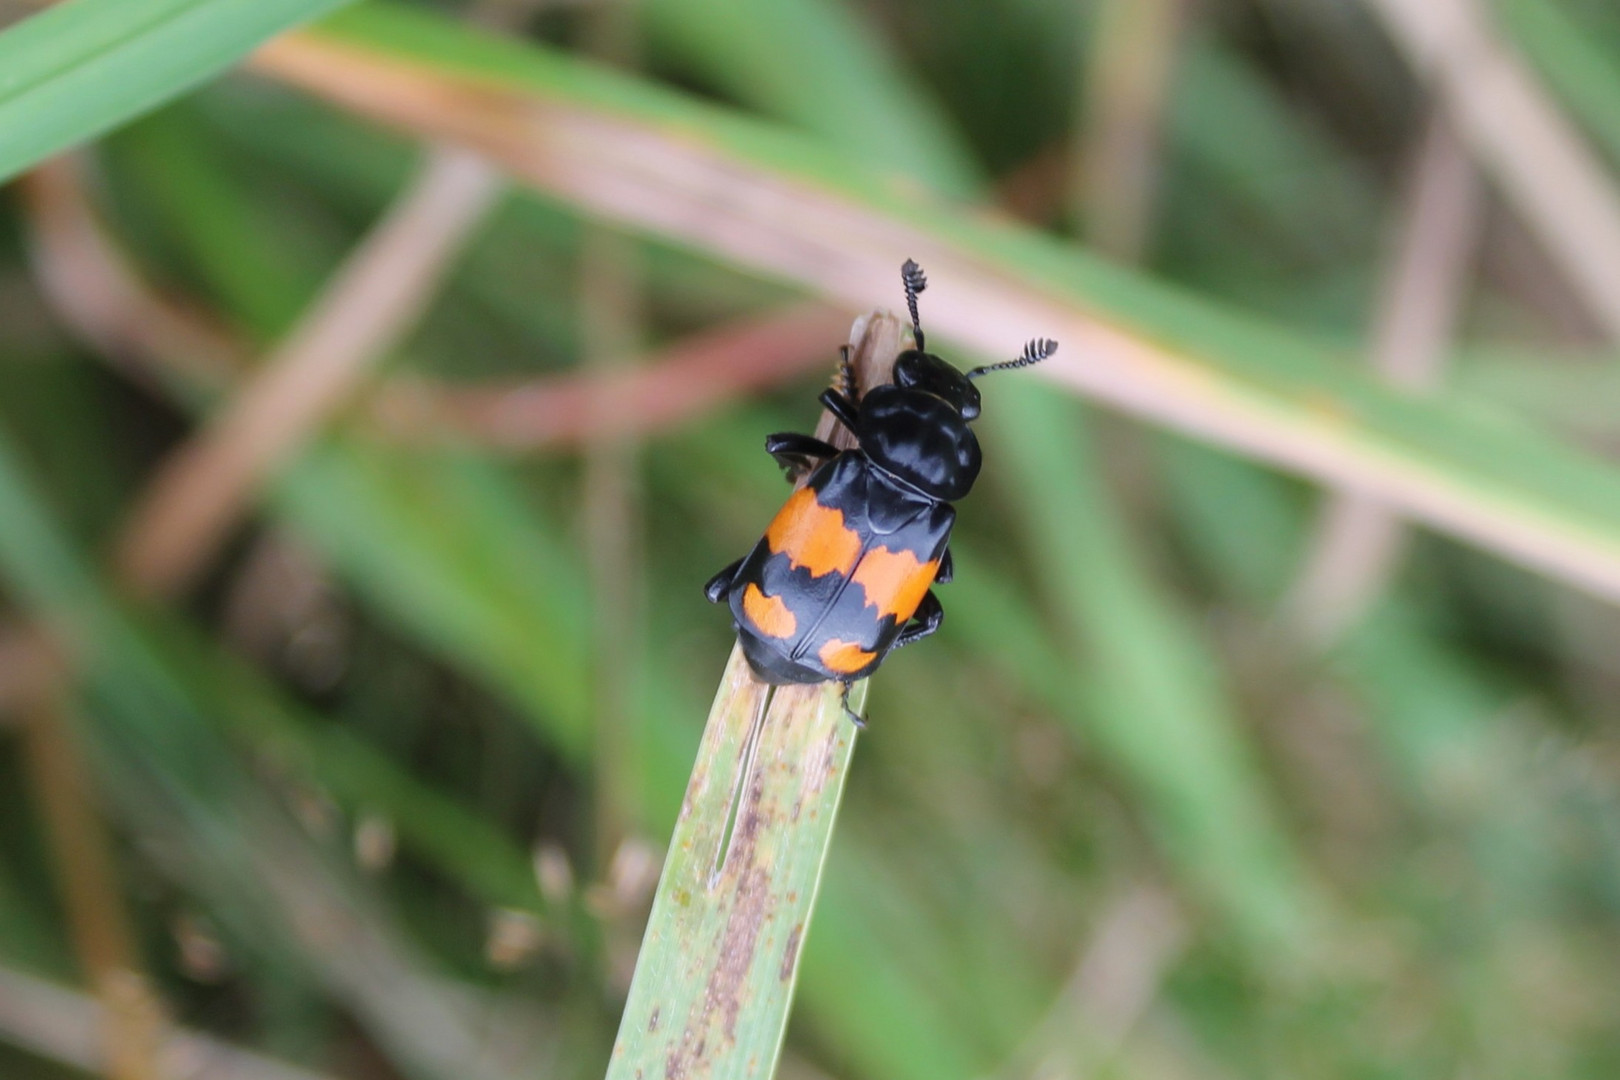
(843, 699)
(947, 569)
(925, 622)
(719, 586)
(843, 409)
(798, 454)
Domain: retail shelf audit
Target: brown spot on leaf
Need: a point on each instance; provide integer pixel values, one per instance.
(790, 955)
(724, 994)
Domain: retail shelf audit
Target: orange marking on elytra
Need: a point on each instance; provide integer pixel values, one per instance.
(769, 614)
(845, 657)
(895, 582)
(813, 536)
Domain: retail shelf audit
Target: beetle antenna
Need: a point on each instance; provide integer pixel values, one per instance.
(915, 281)
(1034, 352)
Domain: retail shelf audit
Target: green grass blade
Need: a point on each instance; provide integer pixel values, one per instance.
(81, 68)
(871, 108)
(720, 957)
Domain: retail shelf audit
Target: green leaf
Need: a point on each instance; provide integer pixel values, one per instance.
(720, 957)
(81, 68)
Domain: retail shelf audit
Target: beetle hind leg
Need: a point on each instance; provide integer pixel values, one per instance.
(843, 701)
(717, 588)
(925, 623)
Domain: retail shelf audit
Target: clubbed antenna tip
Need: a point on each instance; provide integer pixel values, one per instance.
(915, 282)
(912, 274)
(1034, 352)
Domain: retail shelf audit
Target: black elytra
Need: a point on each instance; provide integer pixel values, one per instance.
(843, 575)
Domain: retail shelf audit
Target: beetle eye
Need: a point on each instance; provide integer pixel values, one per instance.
(970, 405)
(907, 371)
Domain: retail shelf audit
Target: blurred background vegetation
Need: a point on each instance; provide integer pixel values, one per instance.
(352, 653)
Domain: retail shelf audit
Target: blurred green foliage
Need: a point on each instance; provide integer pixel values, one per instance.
(1400, 858)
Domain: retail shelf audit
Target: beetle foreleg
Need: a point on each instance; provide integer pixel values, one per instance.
(843, 409)
(947, 569)
(796, 453)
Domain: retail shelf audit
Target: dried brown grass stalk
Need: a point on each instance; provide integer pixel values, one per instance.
(1515, 129)
(659, 178)
(1130, 73)
(662, 390)
(1358, 539)
(101, 298)
(132, 1024)
(375, 298)
(60, 1025)
(158, 341)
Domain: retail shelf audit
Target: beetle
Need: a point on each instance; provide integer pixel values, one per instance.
(843, 575)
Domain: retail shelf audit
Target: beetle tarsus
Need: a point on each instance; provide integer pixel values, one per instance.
(843, 701)
(846, 374)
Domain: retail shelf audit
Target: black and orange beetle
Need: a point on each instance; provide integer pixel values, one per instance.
(843, 575)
